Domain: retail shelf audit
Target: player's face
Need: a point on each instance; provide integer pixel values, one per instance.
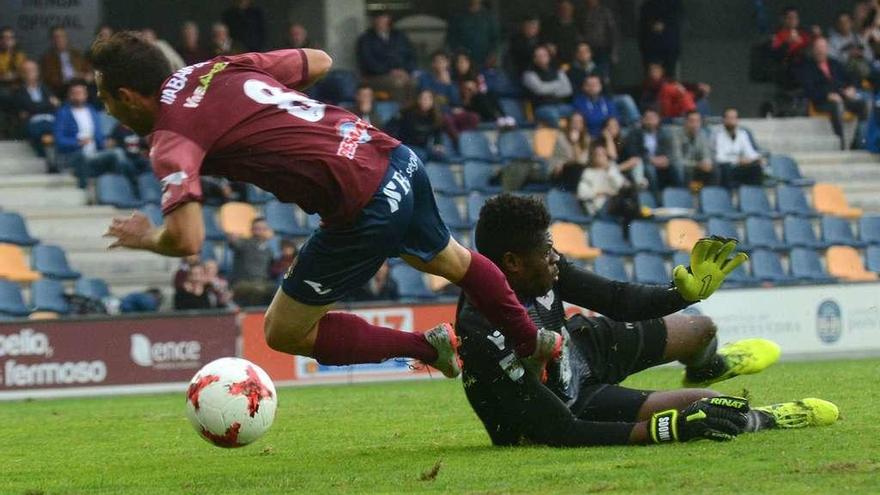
(124, 109)
(539, 271)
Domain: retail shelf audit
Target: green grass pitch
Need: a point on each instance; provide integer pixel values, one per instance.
(391, 438)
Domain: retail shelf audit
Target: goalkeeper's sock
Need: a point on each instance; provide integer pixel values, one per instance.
(344, 338)
(704, 357)
(714, 367)
(758, 420)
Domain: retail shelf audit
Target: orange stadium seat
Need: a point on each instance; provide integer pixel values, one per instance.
(43, 315)
(845, 263)
(13, 265)
(236, 218)
(571, 240)
(829, 199)
(683, 233)
(545, 142)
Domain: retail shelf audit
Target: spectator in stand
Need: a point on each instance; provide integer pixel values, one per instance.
(298, 37)
(62, 64)
(194, 293)
(148, 301)
(673, 99)
(695, 153)
(571, 153)
(476, 33)
(599, 29)
(191, 49)
(134, 149)
(386, 58)
(791, 41)
(364, 108)
(830, 89)
(222, 43)
(562, 31)
(604, 191)
(79, 140)
(475, 94)
(186, 263)
(247, 25)
(104, 32)
(439, 81)
(842, 36)
(739, 161)
(35, 106)
(522, 45)
(612, 136)
(582, 65)
(593, 106)
(650, 149)
(11, 60)
(283, 263)
(174, 59)
(250, 266)
(867, 18)
(421, 127)
(380, 288)
(660, 33)
(548, 88)
(219, 294)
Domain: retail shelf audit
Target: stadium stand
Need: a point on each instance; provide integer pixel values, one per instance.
(677, 197)
(611, 267)
(565, 206)
(116, 190)
(785, 169)
(869, 229)
(385, 111)
(650, 269)
(683, 233)
(149, 188)
(716, 202)
(790, 200)
(645, 237)
(474, 145)
(761, 233)
(443, 180)
(213, 232)
(93, 288)
(798, 232)
(830, 200)
(236, 218)
(48, 295)
(410, 282)
(753, 201)
(726, 228)
(11, 300)
(609, 237)
(845, 263)
(14, 231)
(51, 262)
(451, 215)
(282, 218)
(806, 265)
(153, 212)
(544, 142)
(836, 230)
(514, 145)
(570, 240)
(872, 258)
(13, 265)
(478, 176)
(767, 267)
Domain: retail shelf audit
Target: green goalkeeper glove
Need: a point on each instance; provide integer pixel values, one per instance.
(716, 418)
(710, 264)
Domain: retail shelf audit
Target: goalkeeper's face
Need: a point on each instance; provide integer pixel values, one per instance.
(537, 269)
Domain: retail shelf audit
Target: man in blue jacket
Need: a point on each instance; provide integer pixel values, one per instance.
(386, 58)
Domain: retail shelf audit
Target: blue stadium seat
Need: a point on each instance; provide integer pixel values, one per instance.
(149, 188)
(677, 197)
(737, 278)
(473, 145)
(608, 237)
(478, 176)
(647, 199)
(338, 86)
(798, 232)
(566, 207)
(256, 196)
(790, 200)
(116, 190)
(836, 230)
(213, 232)
(443, 180)
(715, 202)
(725, 228)
(766, 267)
(209, 251)
(807, 267)
(872, 258)
(93, 288)
(514, 145)
(650, 269)
(450, 150)
(475, 202)
(52, 262)
(410, 282)
(785, 169)
(514, 108)
(869, 229)
(14, 231)
(610, 267)
(48, 295)
(153, 212)
(281, 217)
(11, 302)
(501, 84)
(761, 234)
(645, 236)
(753, 201)
(450, 214)
(385, 111)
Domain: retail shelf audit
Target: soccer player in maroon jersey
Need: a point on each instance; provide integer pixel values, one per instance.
(243, 117)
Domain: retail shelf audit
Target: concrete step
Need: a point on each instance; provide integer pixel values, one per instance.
(61, 229)
(115, 263)
(835, 157)
(852, 172)
(16, 148)
(867, 200)
(24, 197)
(16, 165)
(790, 144)
(47, 181)
(71, 212)
(787, 126)
(124, 283)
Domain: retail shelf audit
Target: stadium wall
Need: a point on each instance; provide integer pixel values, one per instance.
(89, 356)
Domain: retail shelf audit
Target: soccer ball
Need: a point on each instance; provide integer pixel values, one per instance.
(231, 402)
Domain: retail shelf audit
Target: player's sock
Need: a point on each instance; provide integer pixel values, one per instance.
(344, 338)
(488, 290)
(758, 420)
(704, 358)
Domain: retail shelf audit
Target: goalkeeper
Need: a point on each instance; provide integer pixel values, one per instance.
(577, 402)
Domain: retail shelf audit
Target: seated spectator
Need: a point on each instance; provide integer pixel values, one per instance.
(522, 45)
(174, 59)
(672, 98)
(476, 33)
(186, 263)
(380, 288)
(148, 301)
(571, 154)
(582, 66)
(35, 106)
(194, 293)
(104, 32)
(612, 136)
(219, 294)
(222, 43)
(475, 94)
(421, 126)
(363, 105)
(283, 263)
(650, 150)
(695, 153)
(599, 29)
(247, 25)
(439, 81)
(79, 140)
(790, 42)
(62, 64)
(252, 257)
(548, 89)
(593, 106)
(135, 157)
(830, 89)
(604, 191)
(842, 36)
(562, 31)
(11, 61)
(298, 37)
(386, 59)
(190, 48)
(739, 161)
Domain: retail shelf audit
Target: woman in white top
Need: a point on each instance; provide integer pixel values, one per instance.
(603, 189)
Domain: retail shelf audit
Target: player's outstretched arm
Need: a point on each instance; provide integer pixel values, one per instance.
(182, 233)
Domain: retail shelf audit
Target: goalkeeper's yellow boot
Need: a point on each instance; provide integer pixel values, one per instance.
(745, 357)
(802, 413)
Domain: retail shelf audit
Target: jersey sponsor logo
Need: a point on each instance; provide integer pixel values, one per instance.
(177, 82)
(396, 189)
(317, 287)
(354, 134)
(198, 95)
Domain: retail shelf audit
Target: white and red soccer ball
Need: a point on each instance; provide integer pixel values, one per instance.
(231, 402)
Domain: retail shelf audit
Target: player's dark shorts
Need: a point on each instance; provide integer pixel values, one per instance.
(614, 350)
(402, 218)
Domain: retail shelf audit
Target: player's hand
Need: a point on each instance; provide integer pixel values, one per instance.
(135, 232)
(711, 262)
(716, 418)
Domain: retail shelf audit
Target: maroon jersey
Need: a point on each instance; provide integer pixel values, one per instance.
(236, 117)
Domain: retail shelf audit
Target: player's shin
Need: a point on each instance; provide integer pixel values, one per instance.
(344, 338)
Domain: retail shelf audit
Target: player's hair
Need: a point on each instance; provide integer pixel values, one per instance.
(509, 223)
(127, 60)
